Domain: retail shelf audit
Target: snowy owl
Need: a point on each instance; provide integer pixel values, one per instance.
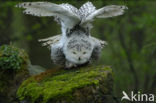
(75, 46)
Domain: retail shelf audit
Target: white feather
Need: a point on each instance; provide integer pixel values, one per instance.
(86, 9)
(68, 18)
(105, 12)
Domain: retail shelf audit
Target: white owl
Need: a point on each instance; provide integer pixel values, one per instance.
(75, 46)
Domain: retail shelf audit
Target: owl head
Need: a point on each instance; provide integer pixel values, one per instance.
(78, 49)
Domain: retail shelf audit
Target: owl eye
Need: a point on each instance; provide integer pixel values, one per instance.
(84, 52)
(74, 52)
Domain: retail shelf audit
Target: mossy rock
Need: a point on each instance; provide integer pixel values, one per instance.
(88, 84)
(13, 70)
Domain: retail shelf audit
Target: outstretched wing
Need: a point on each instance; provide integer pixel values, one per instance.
(66, 15)
(71, 8)
(105, 12)
(50, 41)
(98, 46)
(99, 42)
(55, 39)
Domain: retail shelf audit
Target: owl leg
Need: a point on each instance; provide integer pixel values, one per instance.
(70, 64)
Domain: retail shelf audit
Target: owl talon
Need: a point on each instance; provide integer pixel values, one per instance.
(75, 65)
(70, 65)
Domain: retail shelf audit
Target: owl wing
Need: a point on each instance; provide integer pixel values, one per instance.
(65, 12)
(98, 42)
(86, 9)
(55, 39)
(57, 54)
(50, 40)
(105, 12)
(98, 46)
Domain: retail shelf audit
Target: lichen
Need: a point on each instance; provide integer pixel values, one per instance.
(61, 84)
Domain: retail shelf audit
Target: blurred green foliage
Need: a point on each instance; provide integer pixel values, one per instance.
(12, 58)
(131, 38)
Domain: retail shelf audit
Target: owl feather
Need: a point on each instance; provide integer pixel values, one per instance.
(67, 16)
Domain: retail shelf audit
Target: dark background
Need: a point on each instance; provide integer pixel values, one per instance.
(131, 49)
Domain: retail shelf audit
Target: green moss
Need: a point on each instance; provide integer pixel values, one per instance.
(61, 84)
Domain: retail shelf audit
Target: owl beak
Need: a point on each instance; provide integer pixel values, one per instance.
(79, 58)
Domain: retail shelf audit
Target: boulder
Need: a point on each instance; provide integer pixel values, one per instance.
(87, 84)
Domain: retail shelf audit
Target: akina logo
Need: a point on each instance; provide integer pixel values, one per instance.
(138, 97)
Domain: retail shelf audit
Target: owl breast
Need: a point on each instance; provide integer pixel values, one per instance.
(78, 49)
